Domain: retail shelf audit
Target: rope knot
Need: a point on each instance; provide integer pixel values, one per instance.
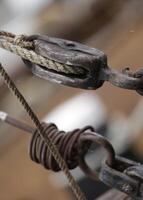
(21, 40)
(18, 39)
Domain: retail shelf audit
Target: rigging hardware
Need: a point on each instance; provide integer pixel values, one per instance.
(76, 65)
(117, 172)
(68, 62)
(125, 175)
(72, 145)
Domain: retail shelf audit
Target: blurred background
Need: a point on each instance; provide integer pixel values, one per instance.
(114, 27)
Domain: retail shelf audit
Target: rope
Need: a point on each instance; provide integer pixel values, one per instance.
(19, 46)
(51, 147)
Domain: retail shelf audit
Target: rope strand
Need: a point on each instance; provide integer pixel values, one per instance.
(51, 147)
(18, 45)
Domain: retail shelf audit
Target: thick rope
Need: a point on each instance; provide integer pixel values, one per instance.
(51, 147)
(19, 46)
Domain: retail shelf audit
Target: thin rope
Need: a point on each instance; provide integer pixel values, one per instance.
(51, 147)
(19, 46)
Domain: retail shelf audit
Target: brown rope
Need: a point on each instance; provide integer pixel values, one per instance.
(51, 147)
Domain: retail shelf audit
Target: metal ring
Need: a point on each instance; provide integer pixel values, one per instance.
(94, 137)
